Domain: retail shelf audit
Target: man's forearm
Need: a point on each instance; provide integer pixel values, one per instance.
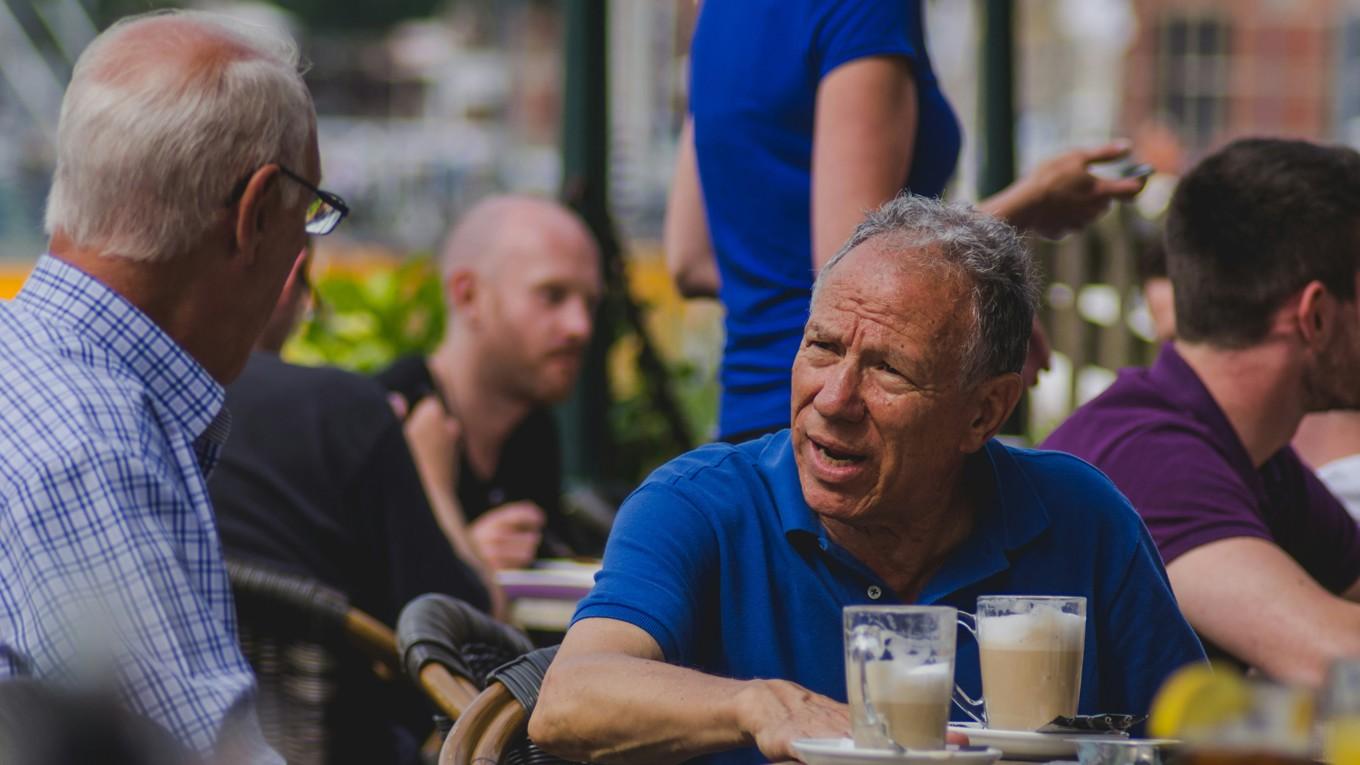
(611, 708)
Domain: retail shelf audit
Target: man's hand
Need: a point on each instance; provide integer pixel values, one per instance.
(1061, 194)
(775, 713)
(434, 440)
(508, 536)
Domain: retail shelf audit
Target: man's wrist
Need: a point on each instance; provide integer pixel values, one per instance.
(749, 709)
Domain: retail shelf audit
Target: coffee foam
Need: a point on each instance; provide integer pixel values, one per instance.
(1043, 629)
(891, 681)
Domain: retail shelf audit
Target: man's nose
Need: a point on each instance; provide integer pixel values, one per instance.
(839, 397)
(578, 318)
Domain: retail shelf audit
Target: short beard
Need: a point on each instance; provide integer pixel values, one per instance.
(1329, 384)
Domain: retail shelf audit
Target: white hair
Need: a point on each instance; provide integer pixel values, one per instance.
(151, 146)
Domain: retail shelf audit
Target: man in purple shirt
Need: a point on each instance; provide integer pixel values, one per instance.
(1263, 245)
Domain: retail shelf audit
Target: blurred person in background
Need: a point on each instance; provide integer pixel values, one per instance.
(1330, 443)
(803, 115)
(1263, 253)
(317, 481)
(185, 186)
(521, 281)
(1158, 298)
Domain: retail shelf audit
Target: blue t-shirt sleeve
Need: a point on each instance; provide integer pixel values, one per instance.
(1144, 635)
(659, 551)
(852, 29)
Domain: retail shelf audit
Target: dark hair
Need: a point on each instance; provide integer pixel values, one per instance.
(1254, 223)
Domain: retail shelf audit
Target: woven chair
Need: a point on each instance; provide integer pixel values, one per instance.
(300, 637)
(452, 650)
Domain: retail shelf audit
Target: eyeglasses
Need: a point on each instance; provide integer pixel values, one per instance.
(323, 214)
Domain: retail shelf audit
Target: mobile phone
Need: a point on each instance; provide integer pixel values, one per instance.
(1135, 170)
(1125, 168)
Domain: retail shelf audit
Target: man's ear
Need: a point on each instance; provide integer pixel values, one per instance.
(1315, 315)
(254, 210)
(992, 402)
(461, 288)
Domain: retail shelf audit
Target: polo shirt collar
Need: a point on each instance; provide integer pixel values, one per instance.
(1179, 384)
(777, 462)
(187, 394)
(1014, 517)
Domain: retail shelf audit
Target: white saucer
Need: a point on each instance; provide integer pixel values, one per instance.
(842, 751)
(1028, 744)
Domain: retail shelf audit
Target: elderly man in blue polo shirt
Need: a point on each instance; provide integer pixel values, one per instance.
(715, 627)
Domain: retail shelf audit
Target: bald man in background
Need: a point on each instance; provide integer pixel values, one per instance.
(521, 281)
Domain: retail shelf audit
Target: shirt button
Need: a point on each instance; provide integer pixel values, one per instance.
(875, 592)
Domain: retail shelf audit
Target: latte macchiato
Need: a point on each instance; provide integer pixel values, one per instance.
(899, 674)
(1031, 666)
(913, 701)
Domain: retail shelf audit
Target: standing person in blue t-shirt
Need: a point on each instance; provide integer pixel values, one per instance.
(787, 91)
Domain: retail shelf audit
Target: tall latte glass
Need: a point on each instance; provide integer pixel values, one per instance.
(1031, 650)
(899, 674)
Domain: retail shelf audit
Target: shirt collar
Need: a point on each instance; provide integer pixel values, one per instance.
(1014, 517)
(60, 293)
(1178, 383)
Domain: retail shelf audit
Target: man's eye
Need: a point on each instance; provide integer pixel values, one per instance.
(890, 369)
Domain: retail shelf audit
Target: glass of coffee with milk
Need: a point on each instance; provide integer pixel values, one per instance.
(1031, 649)
(899, 674)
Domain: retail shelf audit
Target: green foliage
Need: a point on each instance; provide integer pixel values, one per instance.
(643, 438)
(362, 321)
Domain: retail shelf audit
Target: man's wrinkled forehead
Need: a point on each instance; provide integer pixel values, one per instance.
(882, 266)
(910, 292)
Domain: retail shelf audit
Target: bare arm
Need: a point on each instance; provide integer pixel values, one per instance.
(689, 251)
(862, 144)
(1254, 601)
(608, 697)
(433, 438)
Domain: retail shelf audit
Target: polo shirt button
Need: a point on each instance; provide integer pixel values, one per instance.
(875, 592)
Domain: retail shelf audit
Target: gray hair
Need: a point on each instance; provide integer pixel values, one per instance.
(987, 251)
(149, 151)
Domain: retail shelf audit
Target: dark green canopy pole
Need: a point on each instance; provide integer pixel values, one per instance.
(586, 438)
(997, 97)
(996, 107)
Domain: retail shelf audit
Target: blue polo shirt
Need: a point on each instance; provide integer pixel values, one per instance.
(719, 559)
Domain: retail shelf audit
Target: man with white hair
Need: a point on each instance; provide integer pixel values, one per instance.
(184, 189)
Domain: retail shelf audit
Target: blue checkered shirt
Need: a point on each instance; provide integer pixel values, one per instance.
(110, 564)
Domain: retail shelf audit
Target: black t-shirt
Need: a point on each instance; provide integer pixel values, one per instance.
(316, 480)
(529, 468)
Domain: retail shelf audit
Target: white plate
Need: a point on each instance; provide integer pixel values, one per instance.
(842, 751)
(1027, 743)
